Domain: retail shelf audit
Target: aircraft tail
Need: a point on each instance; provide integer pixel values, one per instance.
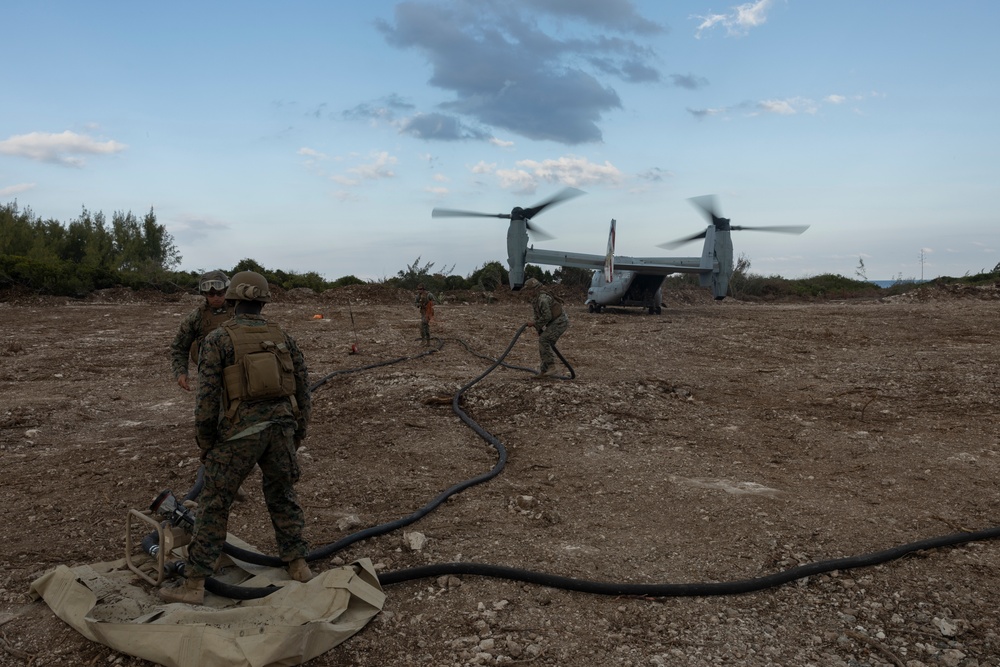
(717, 259)
(609, 258)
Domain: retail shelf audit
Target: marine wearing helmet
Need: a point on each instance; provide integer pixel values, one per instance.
(248, 286)
(199, 323)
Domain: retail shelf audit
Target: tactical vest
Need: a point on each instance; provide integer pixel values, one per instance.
(426, 304)
(210, 321)
(262, 368)
(557, 308)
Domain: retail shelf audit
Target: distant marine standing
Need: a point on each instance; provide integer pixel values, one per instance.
(425, 303)
(199, 323)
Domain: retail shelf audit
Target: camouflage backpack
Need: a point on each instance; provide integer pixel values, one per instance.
(263, 367)
(557, 304)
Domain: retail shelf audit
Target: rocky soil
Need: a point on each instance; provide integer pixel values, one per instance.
(717, 442)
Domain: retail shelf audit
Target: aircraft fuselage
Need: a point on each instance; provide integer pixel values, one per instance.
(626, 288)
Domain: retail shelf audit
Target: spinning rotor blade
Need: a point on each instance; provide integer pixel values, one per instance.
(783, 229)
(517, 213)
(454, 213)
(537, 232)
(708, 206)
(559, 197)
(677, 243)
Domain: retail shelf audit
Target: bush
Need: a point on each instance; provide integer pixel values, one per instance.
(53, 276)
(825, 286)
(489, 277)
(347, 280)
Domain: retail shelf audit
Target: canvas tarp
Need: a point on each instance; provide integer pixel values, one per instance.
(106, 603)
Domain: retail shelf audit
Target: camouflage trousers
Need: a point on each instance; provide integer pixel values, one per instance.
(227, 464)
(425, 330)
(547, 339)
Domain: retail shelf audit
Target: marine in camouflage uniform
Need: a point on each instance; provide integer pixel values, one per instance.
(425, 303)
(265, 432)
(199, 323)
(550, 321)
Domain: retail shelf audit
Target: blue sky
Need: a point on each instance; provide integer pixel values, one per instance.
(318, 136)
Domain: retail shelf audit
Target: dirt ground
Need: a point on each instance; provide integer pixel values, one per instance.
(719, 441)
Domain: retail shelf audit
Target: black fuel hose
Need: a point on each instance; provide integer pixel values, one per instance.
(735, 587)
(246, 593)
(692, 589)
(382, 529)
(572, 373)
(345, 371)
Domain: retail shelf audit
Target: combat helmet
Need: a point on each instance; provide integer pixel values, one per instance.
(248, 286)
(213, 280)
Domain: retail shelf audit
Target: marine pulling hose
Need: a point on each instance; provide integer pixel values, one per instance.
(734, 587)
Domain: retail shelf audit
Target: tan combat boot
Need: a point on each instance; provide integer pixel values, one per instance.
(299, 570)
(192, 591)
(544, 373)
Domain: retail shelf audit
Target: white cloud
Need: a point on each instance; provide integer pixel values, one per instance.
(483, 167)
(569, 170)
(64, 148)
(518, 180)
(16, 189)
(752, 14)
(780, 107)
(312, 160)
(739, 21)
(309, 152)
(789, 106)
(378, 168)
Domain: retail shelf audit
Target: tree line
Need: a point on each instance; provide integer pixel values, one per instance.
(91, 253)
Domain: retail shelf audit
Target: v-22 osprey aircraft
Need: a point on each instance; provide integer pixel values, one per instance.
(620, 280)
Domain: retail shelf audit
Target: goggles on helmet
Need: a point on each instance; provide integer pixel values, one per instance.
(217, 285)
